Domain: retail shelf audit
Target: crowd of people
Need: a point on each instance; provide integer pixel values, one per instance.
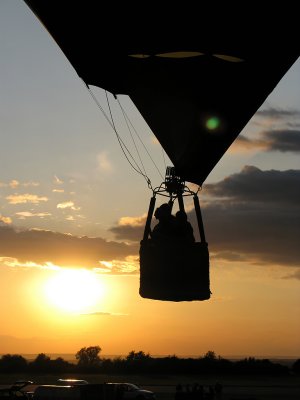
(199, 392)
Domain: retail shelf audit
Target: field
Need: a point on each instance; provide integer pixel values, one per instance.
(246, 388)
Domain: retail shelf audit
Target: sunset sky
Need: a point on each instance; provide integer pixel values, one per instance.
(72, 213)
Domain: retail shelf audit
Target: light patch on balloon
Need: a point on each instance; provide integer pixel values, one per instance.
(139, 55)
(180, 54)
(228, 58)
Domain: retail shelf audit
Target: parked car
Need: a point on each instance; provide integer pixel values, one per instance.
(18, 390)
(97, 391)
(57, 392)
(130, 391)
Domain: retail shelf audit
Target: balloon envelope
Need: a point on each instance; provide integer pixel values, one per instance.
(196, 77)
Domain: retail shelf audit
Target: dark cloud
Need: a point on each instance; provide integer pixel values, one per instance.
(278, 113)
(130, 228)
(283, 140)
(254, 185)
(260, 233)
(243, 141)
(286, 136)
(40, 246)
(259, 215)
(128, 232)
(252, 216)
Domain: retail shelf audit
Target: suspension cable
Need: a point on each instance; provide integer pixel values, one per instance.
(129, 130)
(123, 145)
(138, 136)
(99, 106)
(163, 155)
(121, 142)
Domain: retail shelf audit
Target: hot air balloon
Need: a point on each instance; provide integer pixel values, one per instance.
(197, 76)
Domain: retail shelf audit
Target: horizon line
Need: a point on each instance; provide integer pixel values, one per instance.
(232, 356)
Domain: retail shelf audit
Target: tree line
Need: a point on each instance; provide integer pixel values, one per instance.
(88, 360)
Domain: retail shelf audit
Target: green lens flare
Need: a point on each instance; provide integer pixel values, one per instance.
(212, 123)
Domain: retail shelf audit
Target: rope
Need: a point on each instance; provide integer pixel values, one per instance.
(121, 143)
(100, 107)
(163, 154)
(126, 121)
(127, 118)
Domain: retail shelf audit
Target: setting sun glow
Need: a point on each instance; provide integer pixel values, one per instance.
(74, 290)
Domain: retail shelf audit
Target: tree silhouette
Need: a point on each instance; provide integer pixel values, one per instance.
(210, 355)
(142, 363)
(13, 363)
(137, 356)
(41, 363)
(60, 365)
(88, 357)
(138, 361)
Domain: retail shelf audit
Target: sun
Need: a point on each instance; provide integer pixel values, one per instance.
(74, 290)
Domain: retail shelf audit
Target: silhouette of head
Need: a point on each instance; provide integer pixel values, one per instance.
(163, 211)
(181, 215)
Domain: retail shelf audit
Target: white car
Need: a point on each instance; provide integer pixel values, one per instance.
(130, 391)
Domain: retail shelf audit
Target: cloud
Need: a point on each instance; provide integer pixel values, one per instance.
(58, 190)
(130, 228)
(278, 113)
(68, 204)
(14, 183)
(28, 214)
(26, 184)
(103, 313)
(133, 221)
(284, 140)
(255, 185)
(242, 143)
(128, 266)
(277, 132)
(46, 248)
(25, 198)
(5, 220)
(104, 164)
(15, 263)
(255, 214)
